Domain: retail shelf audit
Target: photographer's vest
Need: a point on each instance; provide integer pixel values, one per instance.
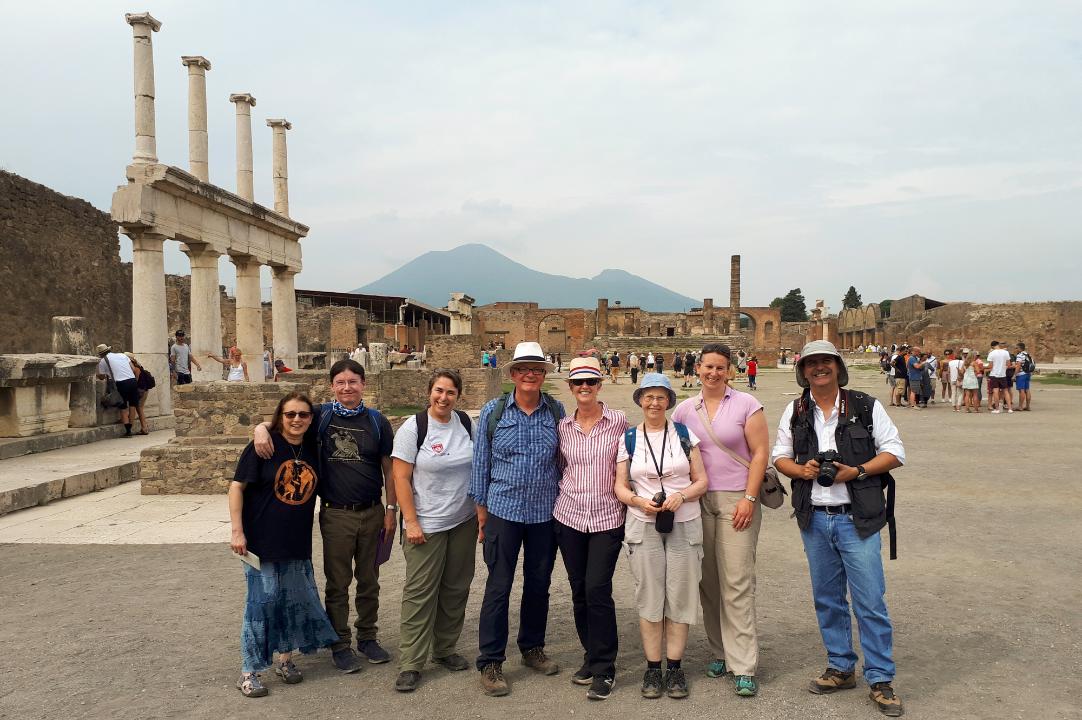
(856, 446)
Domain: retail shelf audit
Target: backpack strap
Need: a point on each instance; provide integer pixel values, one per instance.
(466, 422)
(685, 438)
(325, 414)
(495, 415)
(421, 419)
(629, 441)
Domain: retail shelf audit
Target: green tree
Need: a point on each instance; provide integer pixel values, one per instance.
(793, 308)
(851, 299)
(884, 308)
(777, 302)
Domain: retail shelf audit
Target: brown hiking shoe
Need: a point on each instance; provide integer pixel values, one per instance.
(885, 699)
(538, 661)
(492, 681)
(833, 680)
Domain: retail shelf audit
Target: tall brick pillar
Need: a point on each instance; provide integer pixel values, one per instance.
(734, 295)
(708, 316)
(602, 316)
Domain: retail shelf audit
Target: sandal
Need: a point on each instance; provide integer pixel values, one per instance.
(250, 686)
(288, 672)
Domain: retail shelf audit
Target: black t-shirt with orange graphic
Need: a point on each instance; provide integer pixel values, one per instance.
(279, 500)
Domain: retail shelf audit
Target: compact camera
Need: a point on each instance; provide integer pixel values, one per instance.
(828, 471)
(664, 520)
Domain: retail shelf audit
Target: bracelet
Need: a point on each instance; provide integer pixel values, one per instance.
(683, 497)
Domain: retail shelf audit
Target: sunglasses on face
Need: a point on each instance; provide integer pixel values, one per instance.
(585, 381)
(302, 414)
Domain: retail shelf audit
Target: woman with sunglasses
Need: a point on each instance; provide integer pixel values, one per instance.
(433, 460)
(589, 521)
(271, 504)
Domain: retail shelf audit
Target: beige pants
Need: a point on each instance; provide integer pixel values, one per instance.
(727, 590)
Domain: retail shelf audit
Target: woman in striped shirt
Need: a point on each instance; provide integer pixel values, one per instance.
(590, 522)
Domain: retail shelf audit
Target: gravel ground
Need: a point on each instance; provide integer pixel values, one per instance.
(985, 598)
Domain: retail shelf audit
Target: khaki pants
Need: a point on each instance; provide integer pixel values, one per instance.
(727, 590)
(350, 539)
(438, 576)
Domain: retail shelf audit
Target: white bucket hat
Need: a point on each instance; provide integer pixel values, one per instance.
(821, 347)
(529, 352)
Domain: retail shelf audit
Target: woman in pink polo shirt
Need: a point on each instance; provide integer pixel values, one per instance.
(589, 521)
(730, 512)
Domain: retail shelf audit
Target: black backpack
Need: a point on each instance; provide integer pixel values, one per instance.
(422, 425)
(149, 382)
(1027, 362)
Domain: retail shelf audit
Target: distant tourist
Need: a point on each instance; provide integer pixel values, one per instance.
(660, 477)
(514, 484)
(840, 522)
(659, 362)
(484, 358)
(144, 382)
(753, 371)
(689, 368)
(118, 368)
(633, 367)
(649, 362)
(268, 364)
(954, 376)
(433, 459)
(181, 359)
(271, 503)
(914, 367)
(677, 363)
(998, 389)
(354, 444)
(238, 368)
(280, 369)
(360, 356)
(589, 522)
(614, 366)
(1024, 367)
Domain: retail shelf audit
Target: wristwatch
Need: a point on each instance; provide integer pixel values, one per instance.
(751, 498)
(861, 473)
(392, 507)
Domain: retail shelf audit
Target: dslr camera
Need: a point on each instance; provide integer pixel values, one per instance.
(827, 469)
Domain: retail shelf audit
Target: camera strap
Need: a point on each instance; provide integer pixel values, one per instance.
(659, 467)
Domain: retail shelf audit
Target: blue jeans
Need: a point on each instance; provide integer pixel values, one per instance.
(837, 557)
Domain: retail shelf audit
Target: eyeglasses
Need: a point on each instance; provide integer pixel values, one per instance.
(302, 414)
(531, 370)
(585, 381)
(653, 399)
(347, 383)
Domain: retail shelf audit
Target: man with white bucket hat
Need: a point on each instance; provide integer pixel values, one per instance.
(839, 447)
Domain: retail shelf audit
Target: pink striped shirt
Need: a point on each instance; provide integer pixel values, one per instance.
(587, 501)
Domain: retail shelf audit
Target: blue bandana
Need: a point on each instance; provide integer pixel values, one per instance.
(342, 411)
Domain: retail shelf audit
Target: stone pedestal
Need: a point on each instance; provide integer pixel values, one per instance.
(708, 316)
(35, 393)
(377, 358)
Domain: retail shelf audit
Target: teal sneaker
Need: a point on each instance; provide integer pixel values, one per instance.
(746, 686)
(715, 669)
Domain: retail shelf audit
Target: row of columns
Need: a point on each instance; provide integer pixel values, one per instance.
(149, 325)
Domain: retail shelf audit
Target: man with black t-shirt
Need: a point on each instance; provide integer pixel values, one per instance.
(355, 444)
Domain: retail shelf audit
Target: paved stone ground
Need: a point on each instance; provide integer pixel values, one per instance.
(986, 599)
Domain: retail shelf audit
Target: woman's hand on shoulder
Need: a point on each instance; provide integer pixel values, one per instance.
(264, 444)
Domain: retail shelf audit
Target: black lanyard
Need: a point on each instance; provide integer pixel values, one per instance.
(664, 439)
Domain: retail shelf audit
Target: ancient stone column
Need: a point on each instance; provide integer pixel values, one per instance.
(280, 167)
(245, 183)
(198, 150)
(143, 26)
(284, 315)
(150, 335)
(602, 316)
(249, 314)
(205, 334)
(708, 316)
(734, 295)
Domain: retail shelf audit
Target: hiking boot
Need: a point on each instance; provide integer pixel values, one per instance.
(676, 683)
(492, 682)
(582, 676)
(833, 680)
(372, 650)
(407, 681)
(288, 672)
(888, 703)
(453, 662)
(600, 687)
(250, 686)
(715, 669)
(652, 683)
(746, 686)
(538, 661)
(346, 660)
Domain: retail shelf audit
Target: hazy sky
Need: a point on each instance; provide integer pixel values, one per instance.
(903, 147)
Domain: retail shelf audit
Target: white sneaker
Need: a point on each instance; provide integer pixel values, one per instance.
(1010, 410)
(996, 411)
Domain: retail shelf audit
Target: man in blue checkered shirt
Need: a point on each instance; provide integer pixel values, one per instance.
(514, 484)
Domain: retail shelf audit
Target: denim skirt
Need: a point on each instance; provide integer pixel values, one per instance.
(282, 614)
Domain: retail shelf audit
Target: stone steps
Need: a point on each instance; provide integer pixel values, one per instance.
(43, 477)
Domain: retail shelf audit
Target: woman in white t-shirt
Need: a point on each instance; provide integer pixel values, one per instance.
(432, 476)
(667, 566)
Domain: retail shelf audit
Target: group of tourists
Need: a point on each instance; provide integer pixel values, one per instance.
(913, 373)
(679, 497)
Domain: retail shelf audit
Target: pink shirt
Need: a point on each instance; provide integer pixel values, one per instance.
(674, 463)
(722, 472)
(587, 501)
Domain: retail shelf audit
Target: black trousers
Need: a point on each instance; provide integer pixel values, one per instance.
(503, 539)
(590, 561)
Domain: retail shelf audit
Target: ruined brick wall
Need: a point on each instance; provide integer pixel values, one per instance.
(333, 327)
(503, 321)
(453, 351)
(58, 256)
(793, 335)
(479, 385)
(1049, 329)
(399, 388)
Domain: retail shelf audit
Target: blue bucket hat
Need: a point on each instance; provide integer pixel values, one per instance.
(652, 380)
